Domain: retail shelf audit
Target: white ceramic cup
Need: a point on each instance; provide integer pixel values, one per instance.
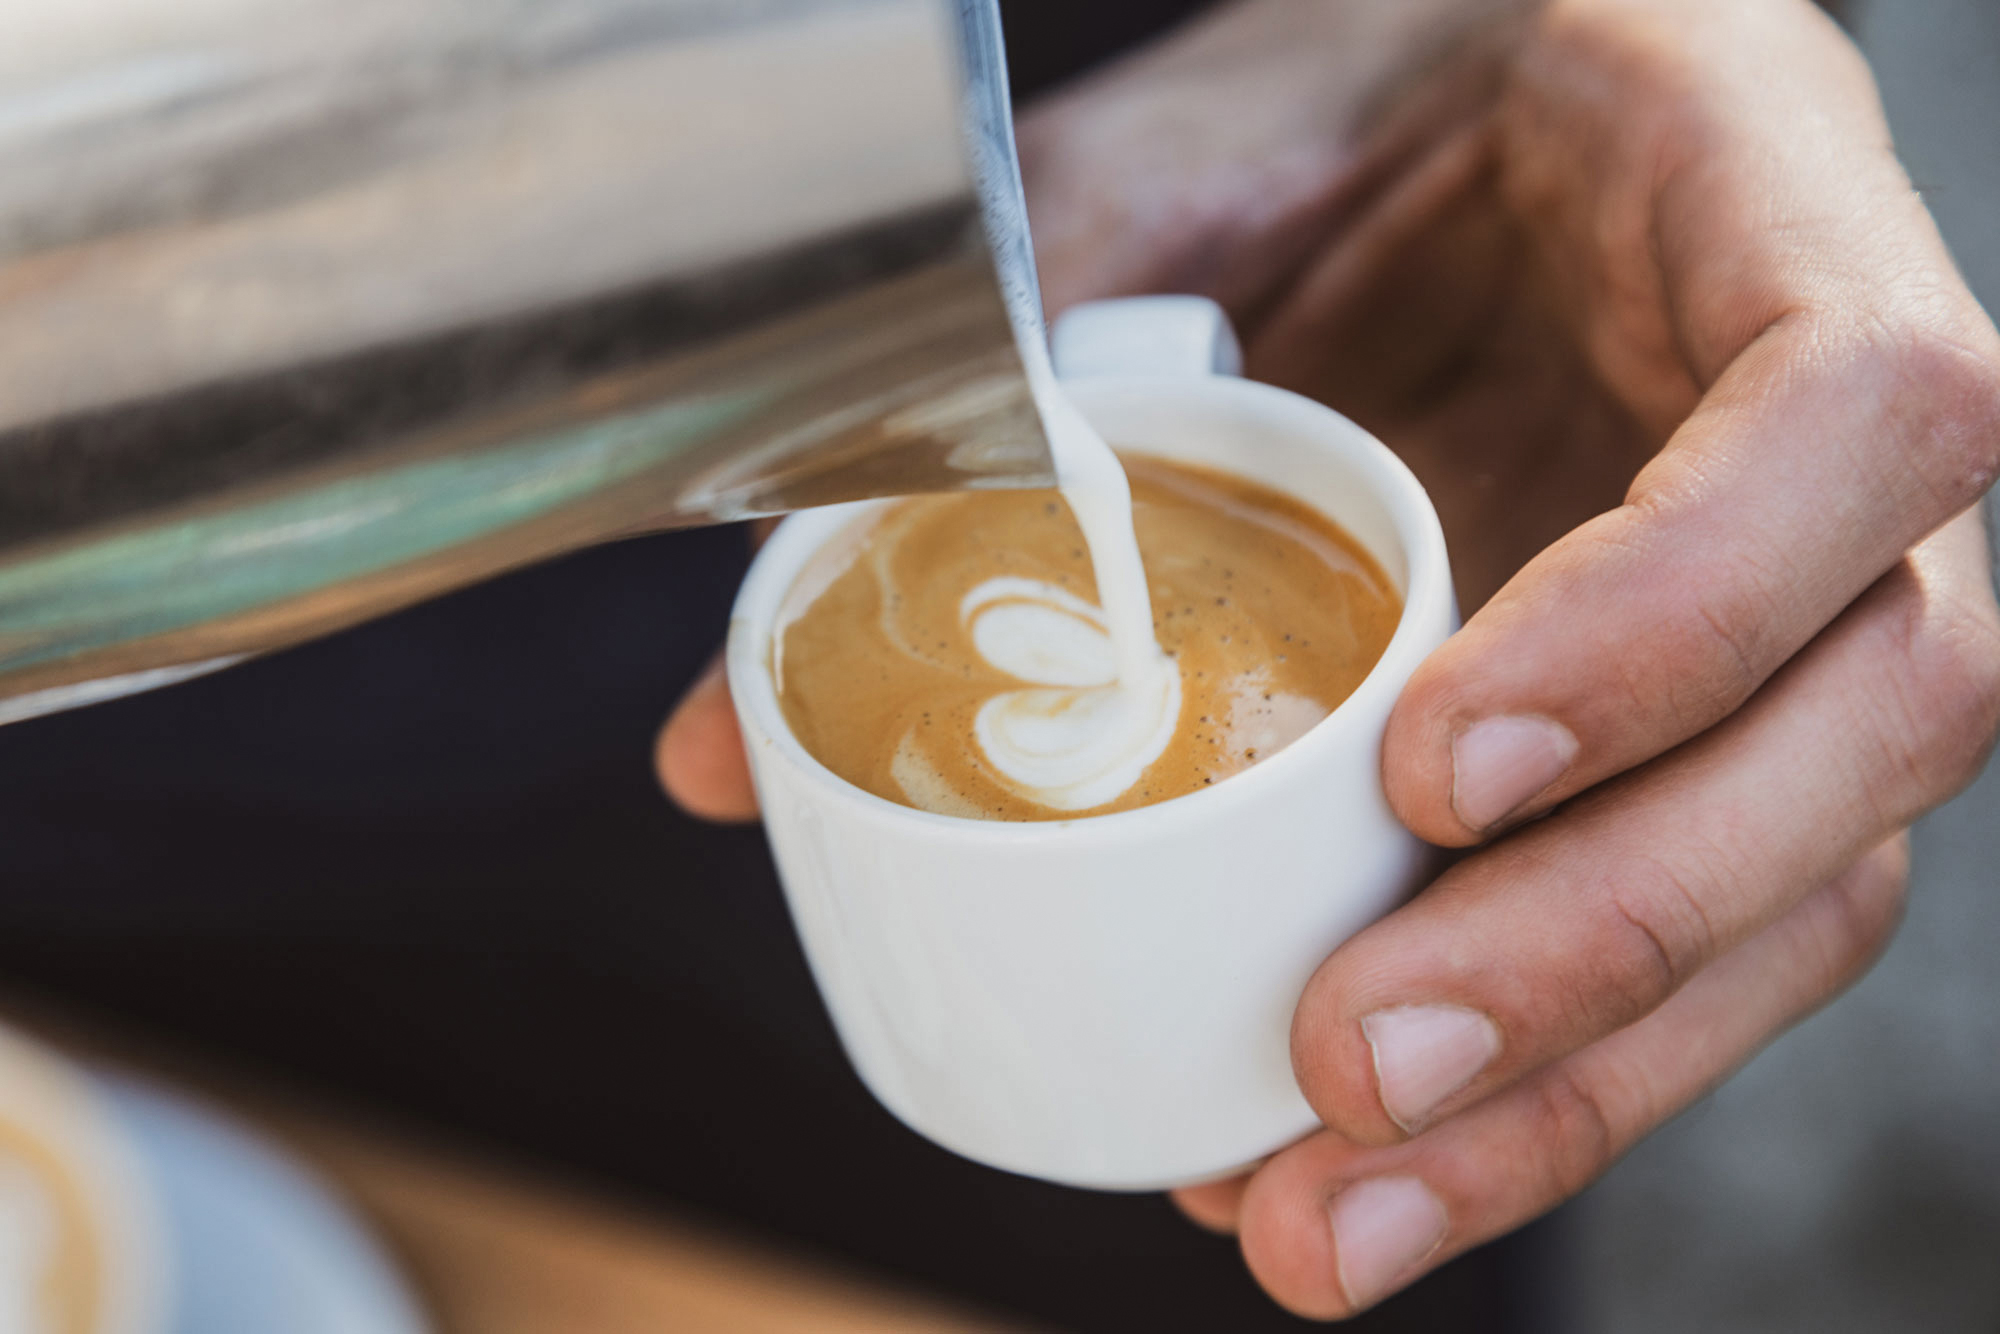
(1107, 1002)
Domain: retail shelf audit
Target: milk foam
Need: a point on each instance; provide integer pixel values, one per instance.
(1103, 700)
(1032, 629)
(1081, 736)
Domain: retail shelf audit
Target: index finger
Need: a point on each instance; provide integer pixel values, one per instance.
(1849, 406)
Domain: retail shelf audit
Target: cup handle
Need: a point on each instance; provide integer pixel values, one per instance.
(1181, 336)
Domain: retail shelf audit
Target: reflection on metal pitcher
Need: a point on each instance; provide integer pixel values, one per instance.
(310, 309)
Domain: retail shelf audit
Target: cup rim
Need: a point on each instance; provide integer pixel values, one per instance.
(1427, 593)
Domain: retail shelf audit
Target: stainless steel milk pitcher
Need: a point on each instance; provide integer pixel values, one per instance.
(310, 309)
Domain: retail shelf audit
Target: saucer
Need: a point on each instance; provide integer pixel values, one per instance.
(255, 1242)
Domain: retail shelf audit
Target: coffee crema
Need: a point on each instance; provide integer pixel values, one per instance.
(948, 653)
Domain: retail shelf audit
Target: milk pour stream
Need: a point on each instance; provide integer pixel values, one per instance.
(1105, 700)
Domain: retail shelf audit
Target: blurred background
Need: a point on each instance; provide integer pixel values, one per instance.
(420, 872)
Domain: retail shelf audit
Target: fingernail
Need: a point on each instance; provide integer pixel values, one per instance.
(1501, 764)
(1426, 1053)
(1382, 1229)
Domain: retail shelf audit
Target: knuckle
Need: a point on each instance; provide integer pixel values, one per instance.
(1571, 1118)
(1657, 934)
(1865, 908)
(1731, 633)
(1711, 637)
(1949, 701)
(1953, 386)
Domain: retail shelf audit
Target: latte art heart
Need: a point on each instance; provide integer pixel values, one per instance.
(1080, 736)
(1039, 632)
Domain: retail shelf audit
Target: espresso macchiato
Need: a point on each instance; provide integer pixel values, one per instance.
(949, 653)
